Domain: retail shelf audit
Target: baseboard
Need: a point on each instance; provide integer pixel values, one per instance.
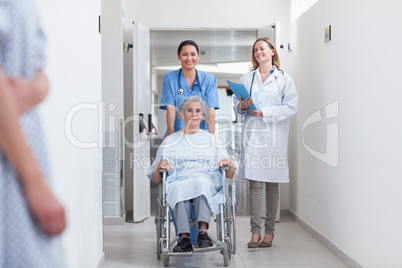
(325, 241)
(101, 261)
(114, 220)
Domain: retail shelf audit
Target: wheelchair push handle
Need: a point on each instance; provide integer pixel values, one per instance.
(226, 167)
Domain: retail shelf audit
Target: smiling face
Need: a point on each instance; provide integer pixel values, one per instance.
(188, 57)
(263, 52)
(193, 115)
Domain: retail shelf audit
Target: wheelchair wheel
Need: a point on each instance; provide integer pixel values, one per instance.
(230, 221)
(165, 258)
(158, 242)
(159, 225)
(226, 253)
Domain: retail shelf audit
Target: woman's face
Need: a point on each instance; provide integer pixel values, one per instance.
(193, 114)
(188, 57)
(262, 52)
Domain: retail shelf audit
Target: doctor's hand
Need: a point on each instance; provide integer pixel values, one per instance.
(256, 113)
(244, 104)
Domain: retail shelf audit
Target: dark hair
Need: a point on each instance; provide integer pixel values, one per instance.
(185, 43)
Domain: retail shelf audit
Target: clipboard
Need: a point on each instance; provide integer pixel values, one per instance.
(240, 90)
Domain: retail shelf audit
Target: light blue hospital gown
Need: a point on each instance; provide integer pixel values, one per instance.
(194, 161)
(22, 45)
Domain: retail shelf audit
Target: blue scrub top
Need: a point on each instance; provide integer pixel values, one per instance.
(170, 95)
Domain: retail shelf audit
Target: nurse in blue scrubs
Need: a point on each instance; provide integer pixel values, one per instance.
(182, 83)
(187, 81)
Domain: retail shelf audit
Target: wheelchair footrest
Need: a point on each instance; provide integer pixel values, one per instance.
(179, 254)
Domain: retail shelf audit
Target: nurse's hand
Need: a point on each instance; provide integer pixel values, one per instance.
(244, 104)
(256, 113)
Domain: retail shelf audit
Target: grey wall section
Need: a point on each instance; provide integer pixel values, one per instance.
(112, 93)
(353, 204)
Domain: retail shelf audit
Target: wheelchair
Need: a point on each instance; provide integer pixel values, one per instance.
(225, 240)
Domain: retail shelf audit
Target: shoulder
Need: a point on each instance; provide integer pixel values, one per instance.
(247, 76)
(203, 134)
(206, 135)
(206, 76)
(172, 75)
(172, 137)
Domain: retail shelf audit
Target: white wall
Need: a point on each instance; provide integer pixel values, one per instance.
(356, 204)
(74, 70)
(210, 14)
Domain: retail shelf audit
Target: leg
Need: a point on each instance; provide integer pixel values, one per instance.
(271, 199)
(255, 212)
(193, 229)
(181, 213)
(203, 213)
(203, 217)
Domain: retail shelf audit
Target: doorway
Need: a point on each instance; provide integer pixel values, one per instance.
(225, 53)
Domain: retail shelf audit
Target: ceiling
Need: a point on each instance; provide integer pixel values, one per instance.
(216, 46)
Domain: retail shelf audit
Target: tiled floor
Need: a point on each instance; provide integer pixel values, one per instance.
(134, 245)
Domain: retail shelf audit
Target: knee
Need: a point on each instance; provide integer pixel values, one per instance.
(256, 185)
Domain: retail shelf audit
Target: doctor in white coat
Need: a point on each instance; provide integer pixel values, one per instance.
(265, 135)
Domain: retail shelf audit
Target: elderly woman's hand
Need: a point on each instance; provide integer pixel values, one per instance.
(226, 162)
(164, 164)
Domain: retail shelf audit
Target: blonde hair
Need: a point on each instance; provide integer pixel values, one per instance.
(275, 57)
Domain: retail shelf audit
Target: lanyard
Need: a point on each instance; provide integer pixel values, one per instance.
(181, 90)
(251, 87)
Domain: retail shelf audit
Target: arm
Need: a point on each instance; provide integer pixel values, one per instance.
(43, 205)
(170, 118)
(156, 176)
(239, 105)
(168, 100)
(211, 120)
(28, 93)
(212, 101)
(226, 162)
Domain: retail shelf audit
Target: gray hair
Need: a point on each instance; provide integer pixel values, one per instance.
(183, 106)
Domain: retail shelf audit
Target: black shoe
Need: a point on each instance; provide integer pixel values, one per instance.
(203, 240)
(184, 245)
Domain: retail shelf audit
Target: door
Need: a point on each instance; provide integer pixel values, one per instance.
(140, 161)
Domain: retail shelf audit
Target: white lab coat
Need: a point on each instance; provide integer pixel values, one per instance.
(265, 140)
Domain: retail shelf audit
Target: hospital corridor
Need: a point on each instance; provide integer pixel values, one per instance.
(134, 245)
(116, 71)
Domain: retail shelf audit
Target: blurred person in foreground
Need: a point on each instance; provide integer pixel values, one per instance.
(31, 218)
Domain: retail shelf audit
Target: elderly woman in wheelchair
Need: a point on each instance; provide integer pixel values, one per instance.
(192, 158)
